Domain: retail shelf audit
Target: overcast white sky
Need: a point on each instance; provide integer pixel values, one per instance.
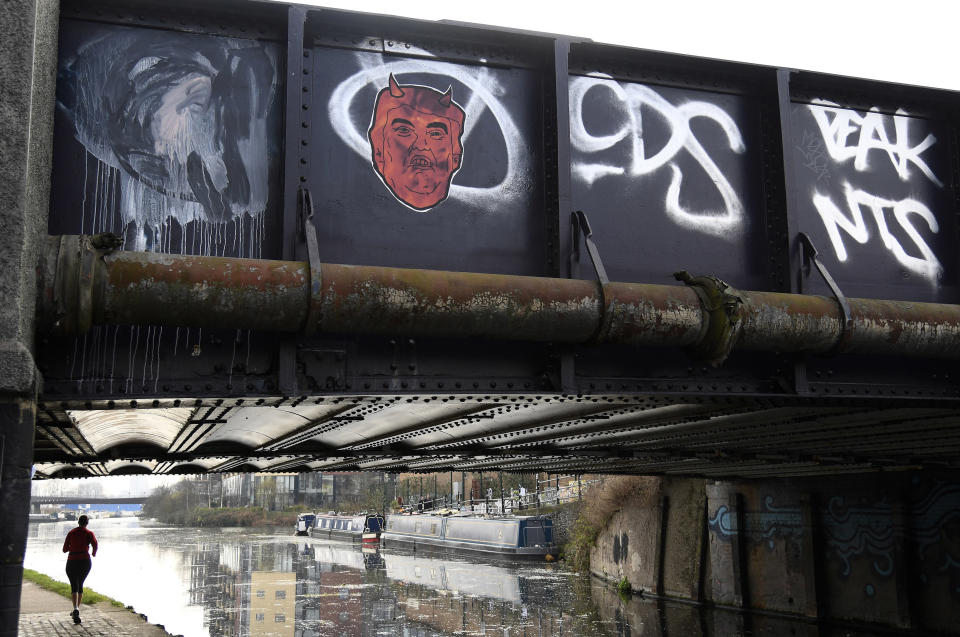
(907, 42)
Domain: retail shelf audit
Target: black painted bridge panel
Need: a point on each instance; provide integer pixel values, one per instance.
(192, 129)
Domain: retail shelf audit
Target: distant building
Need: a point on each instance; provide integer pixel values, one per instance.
(315, 490)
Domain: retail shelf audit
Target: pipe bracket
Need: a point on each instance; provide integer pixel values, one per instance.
(73, 282)
(723, 308)
(315, 302)
(580, 227)
(811, 255)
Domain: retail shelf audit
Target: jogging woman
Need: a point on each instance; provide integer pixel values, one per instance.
(78, 561)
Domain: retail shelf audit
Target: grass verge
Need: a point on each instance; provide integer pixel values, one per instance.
(90, 596)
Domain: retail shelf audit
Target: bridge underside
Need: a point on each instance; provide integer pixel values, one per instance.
(238, 287)
(712, 436)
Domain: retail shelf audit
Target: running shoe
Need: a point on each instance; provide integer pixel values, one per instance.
(76, 616)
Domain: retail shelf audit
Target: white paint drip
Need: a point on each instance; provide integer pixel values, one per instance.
(628, 99)
(132, 210)
(834, 219)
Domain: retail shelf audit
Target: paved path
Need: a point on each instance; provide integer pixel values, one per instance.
(46, 614)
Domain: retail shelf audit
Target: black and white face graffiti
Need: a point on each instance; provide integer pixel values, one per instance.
(183, 117)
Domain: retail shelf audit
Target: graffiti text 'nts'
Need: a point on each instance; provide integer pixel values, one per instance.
(849, 135)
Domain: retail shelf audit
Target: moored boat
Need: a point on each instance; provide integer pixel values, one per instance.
(359, 528)
(304, 522)
(520, 536)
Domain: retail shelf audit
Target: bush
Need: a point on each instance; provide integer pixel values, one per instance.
(254, 516)
(170, 505)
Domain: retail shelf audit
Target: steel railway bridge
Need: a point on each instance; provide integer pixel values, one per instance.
(261, 237)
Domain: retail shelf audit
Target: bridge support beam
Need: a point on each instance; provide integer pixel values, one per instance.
(84, 282)
(28, 62)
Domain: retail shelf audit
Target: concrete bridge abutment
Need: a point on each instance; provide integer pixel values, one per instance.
(880, 549)
(28, 54)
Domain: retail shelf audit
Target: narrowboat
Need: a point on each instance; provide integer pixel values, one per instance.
(519, 536)
(359, 528)
(304, 522)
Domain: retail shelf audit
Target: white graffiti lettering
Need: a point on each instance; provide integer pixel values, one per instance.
(840, 126)
(855, 226)
(485, 93)
(629, 99)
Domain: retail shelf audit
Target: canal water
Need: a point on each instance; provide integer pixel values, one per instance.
(239, 583)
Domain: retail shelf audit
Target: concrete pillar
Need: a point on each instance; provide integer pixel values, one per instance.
(903, 558)
(726, 582)
(812, 550)
(28, 55)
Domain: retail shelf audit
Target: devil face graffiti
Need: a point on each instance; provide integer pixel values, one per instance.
(415, 140)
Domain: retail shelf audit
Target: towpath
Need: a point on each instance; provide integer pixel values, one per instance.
(46, 614)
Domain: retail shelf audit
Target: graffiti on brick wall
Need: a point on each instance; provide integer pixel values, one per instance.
(772, 522)
(634, 155)
(855, 529)
(723, 523)
(621, 546)
(860, 530)
(868, 142)
(935, 513)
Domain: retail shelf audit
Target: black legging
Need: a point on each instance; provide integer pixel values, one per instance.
(77, 571)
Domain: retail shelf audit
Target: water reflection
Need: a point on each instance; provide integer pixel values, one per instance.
(236, 583)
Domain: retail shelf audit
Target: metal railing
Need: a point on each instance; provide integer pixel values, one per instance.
(553, 492)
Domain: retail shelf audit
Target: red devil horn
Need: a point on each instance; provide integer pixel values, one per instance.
(446, 97)
(395, 90)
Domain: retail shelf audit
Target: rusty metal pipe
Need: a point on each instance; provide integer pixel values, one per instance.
(814, 324)
(374, 300)
(82, 285)
(162, 289)
(134, 287)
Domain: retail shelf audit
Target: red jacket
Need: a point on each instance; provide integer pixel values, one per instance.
(77, 542)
